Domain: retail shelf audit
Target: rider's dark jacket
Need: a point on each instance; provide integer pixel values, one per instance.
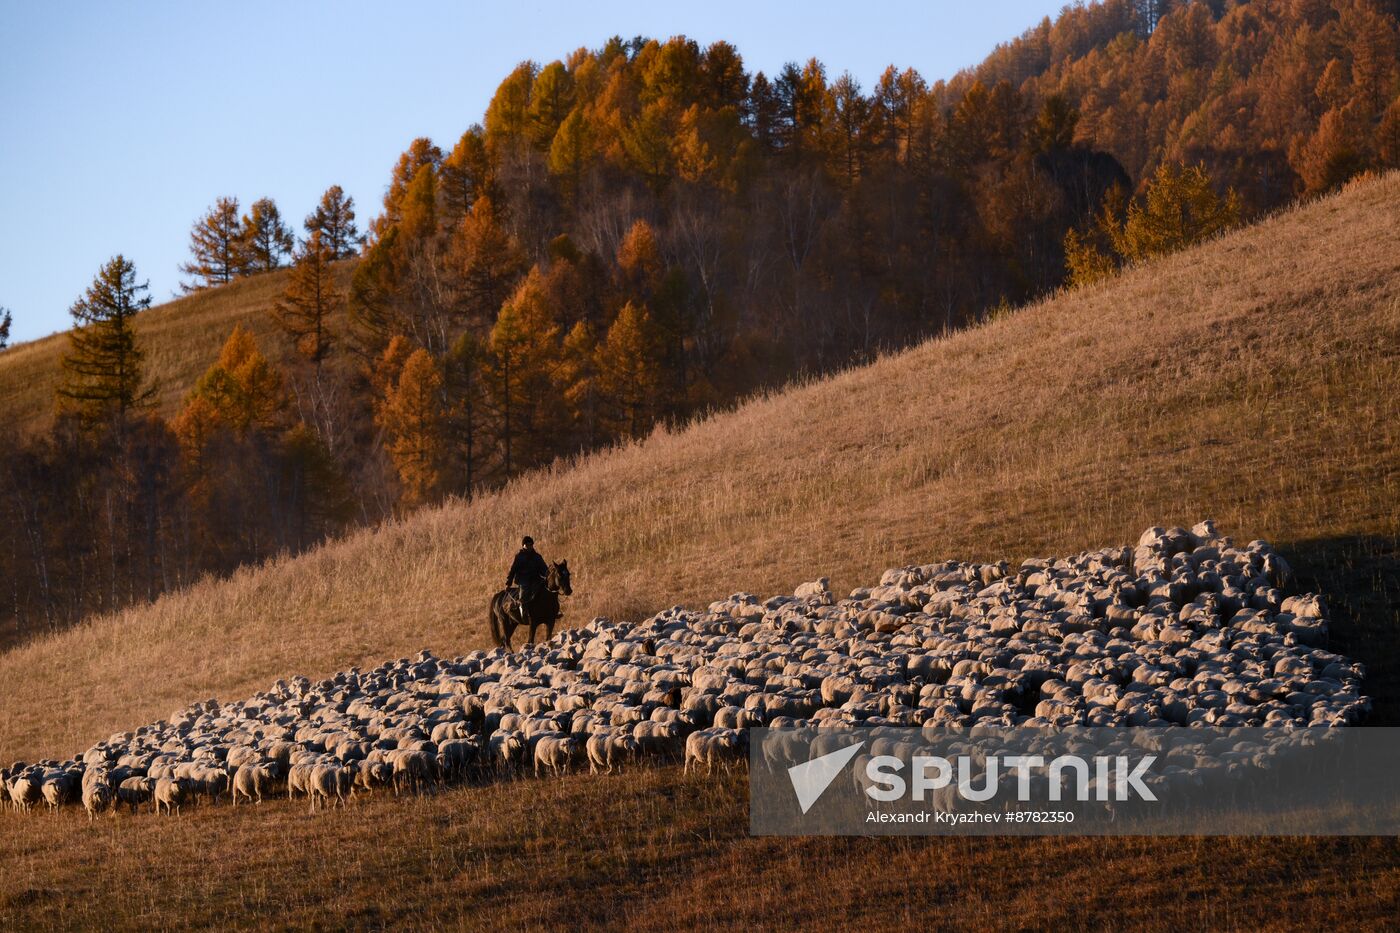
(528, 569)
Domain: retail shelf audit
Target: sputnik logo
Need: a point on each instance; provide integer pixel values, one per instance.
(811, 779)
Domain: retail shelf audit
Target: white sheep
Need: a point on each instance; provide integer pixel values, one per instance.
(412, 768)
(610, 750)
(555, 753)
(713, 746)
(508, 750)
(251, 780)
(329, 782)
(60, 788)
(299, 779)
(25, 792)
(170, 793)
(659, 739)
(97, 797)
(134, 791)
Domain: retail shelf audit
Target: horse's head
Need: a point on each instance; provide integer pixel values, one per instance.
(559, 578)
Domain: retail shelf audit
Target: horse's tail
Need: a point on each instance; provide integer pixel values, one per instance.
(493, 612)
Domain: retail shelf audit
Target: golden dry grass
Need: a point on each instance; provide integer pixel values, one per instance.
(181, 339)
(1252, 380)
(650, 850)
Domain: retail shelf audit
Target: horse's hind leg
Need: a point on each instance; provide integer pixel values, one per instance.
(500, 628)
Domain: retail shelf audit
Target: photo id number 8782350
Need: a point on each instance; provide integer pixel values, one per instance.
(1040, 816)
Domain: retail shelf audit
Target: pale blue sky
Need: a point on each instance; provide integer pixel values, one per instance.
(121, 122)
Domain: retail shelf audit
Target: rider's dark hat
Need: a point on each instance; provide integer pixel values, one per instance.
(527, 541)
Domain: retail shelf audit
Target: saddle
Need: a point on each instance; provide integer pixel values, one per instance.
(515, 604)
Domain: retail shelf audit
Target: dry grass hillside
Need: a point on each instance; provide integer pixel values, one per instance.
(181, 339)
(1252, 380)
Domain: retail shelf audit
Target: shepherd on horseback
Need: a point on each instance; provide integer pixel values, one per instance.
(531, 596)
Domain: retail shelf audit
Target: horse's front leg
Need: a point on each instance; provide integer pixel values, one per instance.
(533, 626)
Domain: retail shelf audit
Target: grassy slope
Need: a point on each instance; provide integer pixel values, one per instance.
(181, 339)
(1252, 380)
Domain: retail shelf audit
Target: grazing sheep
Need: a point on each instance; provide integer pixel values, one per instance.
(508, 750)
(455, 756)
(411, 768)
(134, 791)
(1186, 628)
(205, 779)
(329, 782)
(97, 797)
(555, 753)
(611, 750)
(734, 717)
(714, 746)
(240, 755)
(170, 793)
(373, 774)
(61, 788)
(251, 780)
(299, 780)
(659, 739)
(25, 792)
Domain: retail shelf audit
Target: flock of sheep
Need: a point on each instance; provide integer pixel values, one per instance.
(1186, 629)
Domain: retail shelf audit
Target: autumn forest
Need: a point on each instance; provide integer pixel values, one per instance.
(645, 232)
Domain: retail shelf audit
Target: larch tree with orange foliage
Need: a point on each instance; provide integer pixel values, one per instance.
(1178, 208)
(245, 389)
(265, 239)
(216, 247)
(572, 151)
(486, 264)
(639, 265)
(551, 99)
(464, 414)
(310, 301)
(229, 434)
(384, 372)
(578, 375)
(1333, 153)
(412, 418)
(334, 221)
(421, 154)
(629, 370)
(521, 374)
(465, 175)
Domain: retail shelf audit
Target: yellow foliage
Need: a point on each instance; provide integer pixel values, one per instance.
(411, 416)
(1085, 262)
(242, 390)
(629, 369)
(385, 374)
(639, 260)
(1178, 209)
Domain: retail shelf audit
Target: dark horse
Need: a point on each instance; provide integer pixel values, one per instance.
(544, 608)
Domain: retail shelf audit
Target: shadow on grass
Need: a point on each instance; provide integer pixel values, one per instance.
(1360, 577)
